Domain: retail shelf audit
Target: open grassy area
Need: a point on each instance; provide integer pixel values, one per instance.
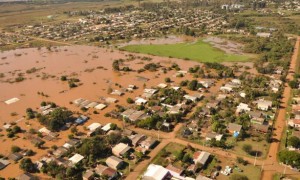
(170, 149)
(258, 145)
(198, 51)
(252, 172)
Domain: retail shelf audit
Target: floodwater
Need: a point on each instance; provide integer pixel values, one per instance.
(92, 65)
(227, 46)
(170, 39)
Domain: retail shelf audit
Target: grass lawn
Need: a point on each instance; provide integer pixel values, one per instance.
(261, 146)
(252, 172)
(171, 149)
(197, 51)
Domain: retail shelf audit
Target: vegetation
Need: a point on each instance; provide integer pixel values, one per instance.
(199, 51)
(273, 52)
(27, 165)
(56, 119)
(15, 149)
(130, 101)
(294, 142)
(238, 177)
(12, 131)
(290, 157)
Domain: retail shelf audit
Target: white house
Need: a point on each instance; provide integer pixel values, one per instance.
(140, 101)
(100, 106)
(243, 107)
(93, 126)
(162, 85)
(236, 81)
(226, 89)
(76, 159)
(156, 172)
(264, 104)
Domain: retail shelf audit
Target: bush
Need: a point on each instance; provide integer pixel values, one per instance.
(27, 165)
(15, 149)
(63, 78)
(130, 101)
(30, 152)
(167, 80)
(247, 148)
(16, 129)
(293, 84)
(43, 103)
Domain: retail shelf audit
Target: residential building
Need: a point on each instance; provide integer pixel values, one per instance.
(120, 149)
(201, 157)
(114, 162)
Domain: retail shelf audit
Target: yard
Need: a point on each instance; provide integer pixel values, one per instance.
(170, 149)
(197, 51)
(258, 144)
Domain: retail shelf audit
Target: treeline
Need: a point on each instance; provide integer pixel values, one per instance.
(273, 52)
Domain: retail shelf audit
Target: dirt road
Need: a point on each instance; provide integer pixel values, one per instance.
(281, 118)
(268, 166)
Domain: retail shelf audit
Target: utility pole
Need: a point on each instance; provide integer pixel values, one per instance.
(255, 158)
(284, 168)
(262, 167)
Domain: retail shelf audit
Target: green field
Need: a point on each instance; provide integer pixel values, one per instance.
(198, 51)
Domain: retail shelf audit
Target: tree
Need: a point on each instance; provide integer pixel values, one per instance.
(114, 138)
(159, 125)
(290, 158)
(125, 140)
(30, 152)
(56, 119)
(15, 149)
(269, 137)
(130, 101)
(16, 129)
(193, 85)
(27, 165)
(216, 126)
(94, 148)
(54, 147)
(74, 130)
(186, 158)
(63, 78)
(240, 160)
(39, 144)
(30, 113)
(294, 142)
(115, 65)
(43, 103)
(293, 84)
(167, 80)
(247, 148)
(179, 155)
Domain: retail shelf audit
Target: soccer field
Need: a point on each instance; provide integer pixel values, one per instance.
(197, 51)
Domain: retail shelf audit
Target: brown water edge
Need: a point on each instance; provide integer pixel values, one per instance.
(170, 39)
(73, 60)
